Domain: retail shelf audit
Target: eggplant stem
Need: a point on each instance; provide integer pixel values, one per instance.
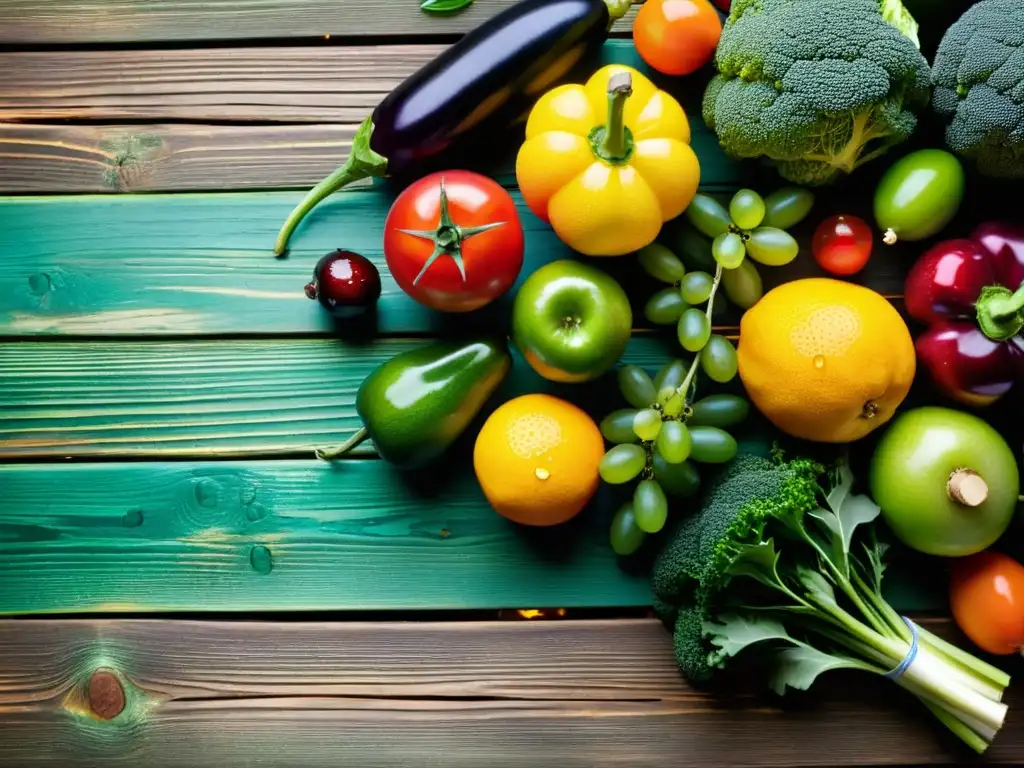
(327, 454)
(362, 163)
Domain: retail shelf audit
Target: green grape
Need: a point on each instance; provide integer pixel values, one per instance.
(670, 377)
(742, 285)
(695, 287)
(693, 330)
(674, 442)
(650, 507)
(718, 359)
(773, 247)
(665, 307)
(625, 536)
(787, 207)
(622, 463)
(617, 426)
(722, 411)
(747, 209)
(729, 250)
(711, 445)
(708, 215)
(679, 480)
(673, 406)
(647, 424)
(660, 263)
(693, 248)
(636, 386)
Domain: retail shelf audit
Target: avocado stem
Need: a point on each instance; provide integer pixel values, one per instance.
(327, 454)
(967, 487)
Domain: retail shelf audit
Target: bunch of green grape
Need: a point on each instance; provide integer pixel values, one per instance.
(752, 225)
(658, 440)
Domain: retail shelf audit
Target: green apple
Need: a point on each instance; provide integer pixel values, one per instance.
(571, 321)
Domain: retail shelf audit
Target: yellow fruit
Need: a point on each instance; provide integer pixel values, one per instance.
(825, 360)
(536, 459)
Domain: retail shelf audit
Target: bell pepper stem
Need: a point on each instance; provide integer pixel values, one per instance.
(362, 163)
(327, 454)
(1002, 309)
(1000, 312)
(613, 143)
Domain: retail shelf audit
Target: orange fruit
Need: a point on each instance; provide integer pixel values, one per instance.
(536, 459)
(825, 360)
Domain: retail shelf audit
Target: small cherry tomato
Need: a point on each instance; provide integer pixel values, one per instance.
(986, 595)
(453, 241)
(676, 37)
(842, 244)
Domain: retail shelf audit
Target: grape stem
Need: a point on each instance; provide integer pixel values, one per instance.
(690, 374)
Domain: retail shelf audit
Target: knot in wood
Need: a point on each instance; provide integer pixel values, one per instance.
(106, 694)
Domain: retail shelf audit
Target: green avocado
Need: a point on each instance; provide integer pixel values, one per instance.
(417, 404)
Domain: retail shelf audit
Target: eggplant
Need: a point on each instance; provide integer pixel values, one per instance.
(483, 83)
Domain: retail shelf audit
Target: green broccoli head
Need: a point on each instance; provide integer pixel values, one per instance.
(817, 86)
(979, 86)
(694, 566)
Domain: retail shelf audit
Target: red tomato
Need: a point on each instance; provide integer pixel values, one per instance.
(986, 595)
(458, 256)
(676, 37)
(842, 244)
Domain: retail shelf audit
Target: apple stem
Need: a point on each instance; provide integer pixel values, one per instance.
(967, 487)
(685, 386)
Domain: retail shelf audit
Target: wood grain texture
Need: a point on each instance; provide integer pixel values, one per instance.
(223, 398)
(510, 695)
(86, 21)
(287, 536)
(330, 84)
(201, 265)
(37, 158)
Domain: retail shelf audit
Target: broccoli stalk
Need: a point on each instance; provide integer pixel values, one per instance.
(774, 562)
(818, 87)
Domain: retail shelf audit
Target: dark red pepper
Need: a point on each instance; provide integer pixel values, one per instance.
(970, 294)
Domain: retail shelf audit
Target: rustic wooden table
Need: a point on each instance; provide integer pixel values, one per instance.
(174, 560)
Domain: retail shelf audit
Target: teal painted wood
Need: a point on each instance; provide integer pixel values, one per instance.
(225, 398)
(285, 536)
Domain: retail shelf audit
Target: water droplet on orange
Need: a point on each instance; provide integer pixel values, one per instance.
(819, 361)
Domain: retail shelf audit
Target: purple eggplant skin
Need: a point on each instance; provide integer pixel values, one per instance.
(475, 88)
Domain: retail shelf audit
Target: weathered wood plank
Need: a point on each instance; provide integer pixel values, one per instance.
(340, 84)
(149, 537)
(578, 694)
(83, 21)
(216, 398)
(201, 264)
(358, 536)
(168, 157)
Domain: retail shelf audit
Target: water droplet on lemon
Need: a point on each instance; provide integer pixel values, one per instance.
(819, 361)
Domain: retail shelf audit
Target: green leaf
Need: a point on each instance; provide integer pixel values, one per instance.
(736, 632)
(875, 550)
(444, 6)
(816, 584)
(799, 667)
(757, 561)
(845, 513)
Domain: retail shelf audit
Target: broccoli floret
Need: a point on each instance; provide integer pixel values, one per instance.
(771, 560)
(820, 87)
(979, 86)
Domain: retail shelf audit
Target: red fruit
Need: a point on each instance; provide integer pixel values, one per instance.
(986, 596)
(453, 241)
(344, 283)
(842, 244)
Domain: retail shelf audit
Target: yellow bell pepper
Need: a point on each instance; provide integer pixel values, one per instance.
(607, 163)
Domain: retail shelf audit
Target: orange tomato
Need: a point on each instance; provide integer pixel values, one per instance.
(676, 37)
(986, 595)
